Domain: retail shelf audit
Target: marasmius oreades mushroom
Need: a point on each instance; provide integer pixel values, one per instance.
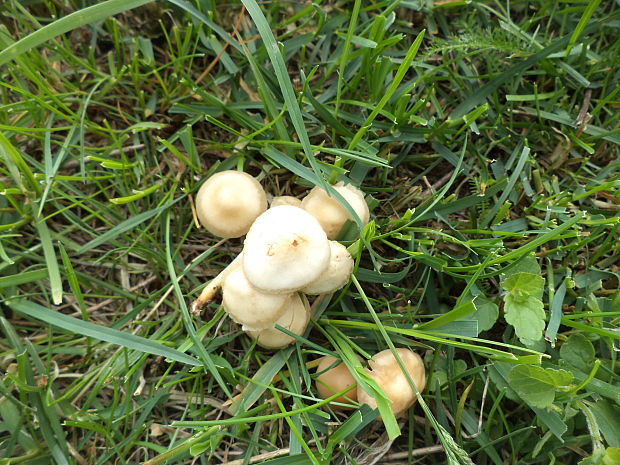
(337, 273)
(294, 319)
(249, 306)
(285, 200)
(386, 371)
(228, 203)
(333, 380)
(285, 250)
(330, 212)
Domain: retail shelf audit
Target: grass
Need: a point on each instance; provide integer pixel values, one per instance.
(486, 137)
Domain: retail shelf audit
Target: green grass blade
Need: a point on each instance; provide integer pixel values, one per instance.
(587, 14)
(51, 260)
(284, 81)
(124, 227)
(486, 90)
(344, 58)
(187, 320)
(400, 74)
(101, 333)
(66, 24)
(22, 278)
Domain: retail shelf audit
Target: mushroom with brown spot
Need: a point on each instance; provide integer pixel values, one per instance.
(285, 250)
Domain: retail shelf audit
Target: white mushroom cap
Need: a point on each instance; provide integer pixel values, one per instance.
(228, 203)
(334, 380)
(386, 371)
(337, 273)
(295, 319)
(247, 305)
(285, 200)
(330, 213)
(285, 250)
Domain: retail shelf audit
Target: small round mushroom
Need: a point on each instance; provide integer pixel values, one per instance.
(386, 371)
(285, 200)
(330, 213)
(337, 273)
(228, 203)
(295, 319)
(334, 380)
(285, 250)
(210, 290)
(247, 305)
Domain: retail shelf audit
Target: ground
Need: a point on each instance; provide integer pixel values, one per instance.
(486, 138)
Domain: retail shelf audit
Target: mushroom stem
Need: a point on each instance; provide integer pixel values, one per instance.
(209, 291)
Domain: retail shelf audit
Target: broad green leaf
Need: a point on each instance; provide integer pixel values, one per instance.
(537, 385)
(612, 456)
(526, 316)
(524, 285)
(527, 264)
(578, 352)
(486, 313)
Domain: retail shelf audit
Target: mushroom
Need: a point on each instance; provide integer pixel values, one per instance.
(330, 213)
(386, 371)
(337, 273)
(210, 290)
(285, 200)
(285, 250)
(228, 203)
(295, 319)
(247, 305)
(333, 380)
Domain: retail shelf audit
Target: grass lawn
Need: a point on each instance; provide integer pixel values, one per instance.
(486, 137)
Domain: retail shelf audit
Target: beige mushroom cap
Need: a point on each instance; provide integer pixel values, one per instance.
(247, 305)
(285, 250)
(335, 380)
(337, 273)
(386, 371)
(285, 200)
(330, 213)
(228, 203)
(295, 319)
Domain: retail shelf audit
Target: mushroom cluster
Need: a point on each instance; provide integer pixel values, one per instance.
(288, 252)
(385, 370)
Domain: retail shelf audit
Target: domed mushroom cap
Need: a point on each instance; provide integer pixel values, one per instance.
(334, 380)
(285, 250)
(386, 371)
(228, 203)
(295, 319)
(247, 305)
(330, 213)
(337, 273)
(285, 200)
